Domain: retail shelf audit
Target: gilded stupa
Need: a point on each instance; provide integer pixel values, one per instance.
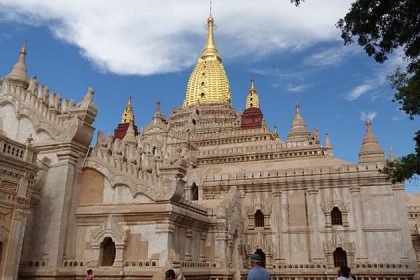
(208, 83)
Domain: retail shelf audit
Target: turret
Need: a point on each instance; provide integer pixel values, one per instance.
(127, 118)
(158, 118)
(328, 150)
(18, 75)
(275, 134)
(252, 99)
(370, 151)
(299, 131)
(252, 117)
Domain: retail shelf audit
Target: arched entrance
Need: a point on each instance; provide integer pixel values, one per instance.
(108, 252)
(340, 257)
(262, 255)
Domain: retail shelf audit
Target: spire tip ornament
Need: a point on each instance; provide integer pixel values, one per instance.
(128, 114)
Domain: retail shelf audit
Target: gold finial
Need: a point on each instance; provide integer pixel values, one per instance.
(210, 49)
(252, 100)
(23, 49)
(128, 114)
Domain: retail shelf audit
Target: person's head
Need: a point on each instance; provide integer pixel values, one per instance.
(255, 260)
(89, 274)
(345, 271)
(170, 274)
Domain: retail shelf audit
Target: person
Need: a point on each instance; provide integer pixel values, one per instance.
(344, 273)
(257, 272)
(89, 275)
(170, 274)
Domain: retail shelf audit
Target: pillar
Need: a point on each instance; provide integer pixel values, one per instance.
(317, 250)
(359, 223)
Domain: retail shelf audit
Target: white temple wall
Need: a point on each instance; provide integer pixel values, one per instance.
(121, 194)
(51, 215)
(20, 129)
(10, 123)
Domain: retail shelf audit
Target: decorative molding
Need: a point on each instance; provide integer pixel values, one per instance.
(338, 240)
(258, 241)
(328, 205)
(111, 229)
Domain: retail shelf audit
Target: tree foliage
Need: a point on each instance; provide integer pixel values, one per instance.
(382, 27)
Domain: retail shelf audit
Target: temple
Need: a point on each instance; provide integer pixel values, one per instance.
(199, 191)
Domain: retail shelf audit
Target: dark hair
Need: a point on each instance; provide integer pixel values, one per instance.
(89, 271)
(345, 271)
(170, 273)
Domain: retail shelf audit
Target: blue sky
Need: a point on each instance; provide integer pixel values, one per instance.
(293, 53)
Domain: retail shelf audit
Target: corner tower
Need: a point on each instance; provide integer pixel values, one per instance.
(127, 119)
(252, 117)
(208, 83)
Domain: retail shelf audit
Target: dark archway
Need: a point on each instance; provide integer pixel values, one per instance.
(194, 192)
(336, 217)
(259, 218)
(108, 252)
(262, 255)
(340, 257)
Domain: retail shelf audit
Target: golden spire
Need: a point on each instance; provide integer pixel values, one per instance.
(210, 49)
(208, 83)
(252, 100)
(128, 114)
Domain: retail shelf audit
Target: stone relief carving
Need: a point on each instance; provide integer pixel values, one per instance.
(264, 207)
(338, 240)
(258, 241)
(328, 205)
(49, 113)
(110, 229)
(4, 225)
(151, 163)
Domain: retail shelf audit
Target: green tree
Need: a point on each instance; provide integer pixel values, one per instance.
(382, 27)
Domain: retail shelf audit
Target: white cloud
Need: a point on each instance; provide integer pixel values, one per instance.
(296, 88)
(360, 90)
(381, 71)
(370, 115)
(139, 37)
(331, 56)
